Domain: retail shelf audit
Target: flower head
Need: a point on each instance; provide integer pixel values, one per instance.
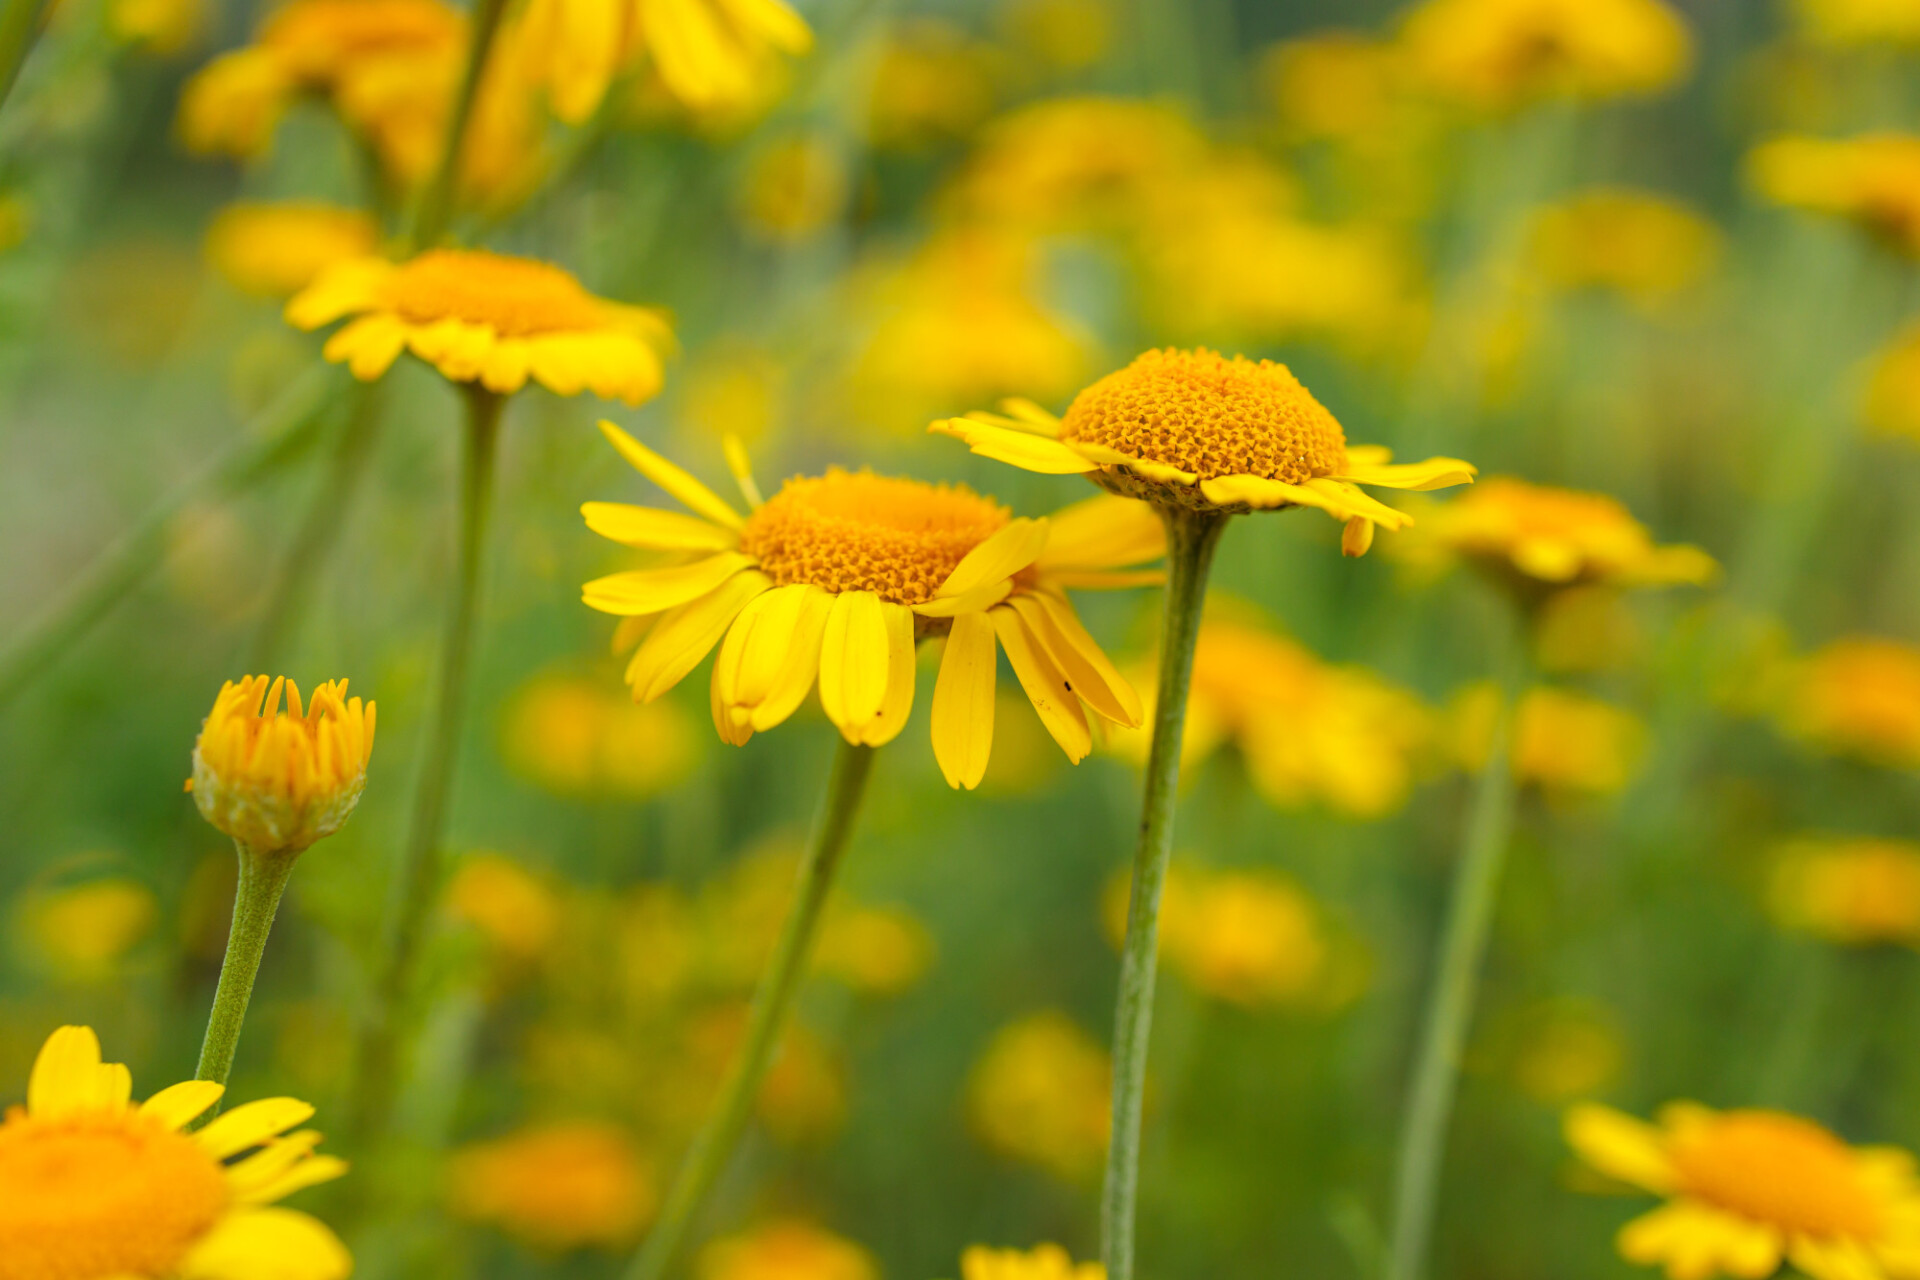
(1042, 1262)
(1860, 22)
(1251, 938)
(1872, 180)
(1893, 386)
(276, 781)
(83, 930)
(276, 250)
(1858, 696)
(1564, 742)
(786, 1249)
(1538, 535)
(1503, 53)
(1644, 246)
(836, 576)
(556, 1186)
(573, 736)
(1194, 429)
(94, 1187)
(1040, 1094)
(1855, 891)
(486, 318)
(1748, 1189)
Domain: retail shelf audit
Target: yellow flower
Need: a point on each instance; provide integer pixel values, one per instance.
(1536, 534)
(1566, 1050)
(1858, 696)
(1501, 53)
(1563, 741)
(276, 250)
(931, 84)
(516, 911)
(1068, 34)
(1860, 22)
(1310, 732)
(794, 188)
(483, 317)
(1335, 84)
(161, 27)
(556, 1186)
(1040, 1094)
(1746, 1190)
(1251, 938)
(1042, 1262)
(1193, 429)
(1855, 891)
(837, 576)
(1872, 180)
(93, 1187)
(1892, 401)
(786, 1249)
(276, 781)
(574, 737)
(85, 929)
(1642, 245)
(881, 950)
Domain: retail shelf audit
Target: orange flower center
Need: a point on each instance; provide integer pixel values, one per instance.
(103, 1195)
(1777, 1169)
(848, 531)
(1204, 413)
(518, 297)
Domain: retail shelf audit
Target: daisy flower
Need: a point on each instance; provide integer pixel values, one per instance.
(1042, 1262)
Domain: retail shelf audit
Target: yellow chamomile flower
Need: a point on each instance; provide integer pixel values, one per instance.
(1251, 938)
(1564, 742)
(276, 250)
(1852, 890)
(1503, 53)
(786, 1249)
(274, 780)
(1194, 429)
(1860, 22)
(515, 910)
(556, 1186)
(573, 736)
(1042, 1262)
(1892, 403)
(1040, 1094)
(486, 318)
(1746, 1190)
(95, 1187)
(837, 576)
(1641, 245)
(1872, 180)
(1537, 535)
(1858, 696)
(82, 931)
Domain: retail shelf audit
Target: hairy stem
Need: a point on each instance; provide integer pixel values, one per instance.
(263, 878)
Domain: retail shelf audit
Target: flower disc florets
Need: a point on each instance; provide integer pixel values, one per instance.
(278, 781)
(856, 531)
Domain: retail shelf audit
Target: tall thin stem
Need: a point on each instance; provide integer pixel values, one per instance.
(422, 857)
(20, 24)
(1191, 539)
(435, 210)
(707, 1159)
(256, 899)
(1450, 1003)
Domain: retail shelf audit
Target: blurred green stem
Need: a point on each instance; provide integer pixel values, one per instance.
(1191, 539)
(265, 441)
(1463, 947)
(422, 858)
(21, 22)
(263, 878)
(435, 211)
(707, 1159)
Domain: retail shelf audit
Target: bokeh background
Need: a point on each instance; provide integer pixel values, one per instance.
(1590, 276)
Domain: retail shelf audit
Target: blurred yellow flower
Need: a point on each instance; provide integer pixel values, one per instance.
(794, 188)
(574, 737)
(1335, 84)
(274, 780)
(732, 388)
(1747, 1190)
(556, 1186)
(1531, 534)
(1892, 401)
(1564, 742)
(931, 84)
(93, 1186)
(1311, 732)
(838, 576)
(1194, 429)
(276, 250)
(486, 318)
(1642, 245)
(1251, 938)
(786, 1249)
(1872, 180)
(1565, 1050)
(1853, 890)
(881, 950)
(162, 27)
(1860, 22)
(1587, 628)
(1039, 1094)
(1067, 34)
(1858, 696)
(804, 1095)
(514, 909)
(1042, 1262)
(83, 930)
(1504, 53)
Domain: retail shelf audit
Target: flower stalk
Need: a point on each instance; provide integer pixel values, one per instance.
(435, 210)
(256, 900)
(707, 1159)
(1191, 538)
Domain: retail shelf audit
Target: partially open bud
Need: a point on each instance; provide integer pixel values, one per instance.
(276, 781)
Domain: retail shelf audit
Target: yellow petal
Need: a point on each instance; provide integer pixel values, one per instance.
(310, 1172)
(1015, 546)
(1017, 448)
(1259, 492)
(66, 1078)
(800, 662)
(265, 1166)
(979, 600)
(506, 365)
(1046, 685)
(251, 1124)
(656, 530)
(771, 21)
(1031, 415)
(963, 702)
(267, 1244)
(1619, 1146)
(1152, 470)
(742, 468)
(1434, 473)
(179, 1105)
(340, 289)
(900, 675)
(368, 346)
(657, 590)
(684, 636)
(853, 662)
(1093, 677)
(733, 730)
(1357, 537)
(696, 496)
(1104, 532)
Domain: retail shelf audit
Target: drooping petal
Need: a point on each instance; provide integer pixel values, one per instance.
(1346, 500)
(694, 495)
(1104, 532)
(854, 662)
(1259, 492)
(251, 1124)
(267, 1244)
(1152, 470)
(684, 636)
(900, 676)
(963, 702)
(178, 1105)
(655, 530)
(657, 590)
(1434, 473)
(1093, 677)
(1047, 687)
(1015, 546)
(1357, 538)
(1017, 448)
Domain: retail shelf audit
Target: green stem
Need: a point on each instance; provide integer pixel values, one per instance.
(1463, 946)
(118, 570)
(1191, 539)
(707, 1159)
(422, 857)
(263, 878)
(21, 22)
(436, 202)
